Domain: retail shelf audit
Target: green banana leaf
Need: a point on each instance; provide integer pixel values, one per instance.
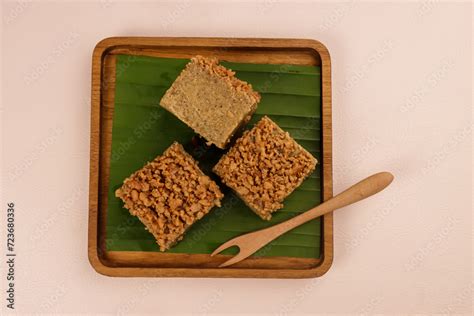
(291, 96)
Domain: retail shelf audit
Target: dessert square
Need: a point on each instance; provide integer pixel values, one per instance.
(169, 194)
(264, 166)
(211, 100)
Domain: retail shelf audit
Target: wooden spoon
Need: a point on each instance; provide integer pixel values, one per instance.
(251, 242)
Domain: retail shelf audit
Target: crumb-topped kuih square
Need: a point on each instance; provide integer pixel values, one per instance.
(169, 194)
(211, 100)
(264, 166)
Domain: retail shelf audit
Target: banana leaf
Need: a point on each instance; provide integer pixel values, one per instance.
(291, 96)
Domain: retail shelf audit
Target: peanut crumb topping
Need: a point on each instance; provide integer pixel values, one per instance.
(212, 66)
(169, 194)
(264, 166)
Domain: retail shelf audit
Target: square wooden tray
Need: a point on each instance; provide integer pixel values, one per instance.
(155, 264)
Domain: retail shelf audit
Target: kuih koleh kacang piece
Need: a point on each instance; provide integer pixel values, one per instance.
(264, 166)
(169, 194)
(211, 100)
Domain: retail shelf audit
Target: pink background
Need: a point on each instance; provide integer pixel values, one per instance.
(402, 82)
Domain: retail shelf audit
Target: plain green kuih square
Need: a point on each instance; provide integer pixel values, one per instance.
(291, 97)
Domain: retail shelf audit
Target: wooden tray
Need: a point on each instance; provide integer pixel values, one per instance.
(151, 264)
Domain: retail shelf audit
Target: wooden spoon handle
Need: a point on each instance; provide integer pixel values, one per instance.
(359, 191)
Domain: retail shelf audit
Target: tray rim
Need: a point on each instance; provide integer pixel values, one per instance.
(98, 55)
